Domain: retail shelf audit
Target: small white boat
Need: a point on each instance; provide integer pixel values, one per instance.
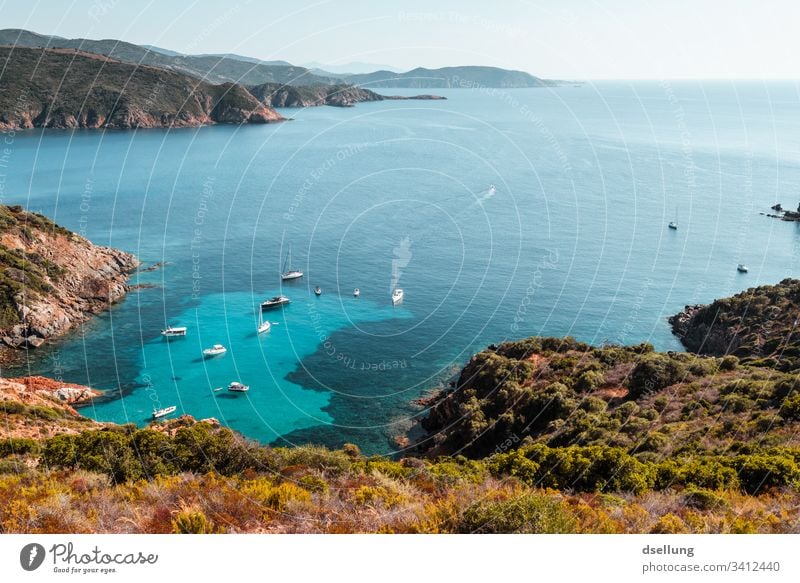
(238, 387)
(288, 272)
(274, 302)
(318, 291)
(741, 268)
(218, 389)
(174, 331)
(263, 325)
(159, 413)
(215, 350)
(356, 292)
(397, 296)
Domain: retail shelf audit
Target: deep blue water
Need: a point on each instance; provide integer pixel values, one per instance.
(573, 241)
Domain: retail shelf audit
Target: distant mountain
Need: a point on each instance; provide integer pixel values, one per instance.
(450, 77)
(233, 68)
(275, 95)
(247, 59)
(167, 52)
(214, 69)
(64, 88)
(354, 68)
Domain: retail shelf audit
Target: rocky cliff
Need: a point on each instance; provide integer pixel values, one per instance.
(52, 279)
(64, 88)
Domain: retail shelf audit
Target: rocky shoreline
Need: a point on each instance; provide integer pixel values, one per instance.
(53, 280)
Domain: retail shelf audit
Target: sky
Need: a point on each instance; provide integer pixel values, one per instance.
(557, 39)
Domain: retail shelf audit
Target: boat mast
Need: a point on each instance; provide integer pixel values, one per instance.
(288, 261)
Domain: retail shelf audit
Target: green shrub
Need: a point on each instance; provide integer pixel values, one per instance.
(654, 372)
(583, 468)
(790, 408)
(192, 521)
(702, 499)
(18, 446)
(762, 471)
(589, 381)
(527, 513)
(701, 472)
(729, 363)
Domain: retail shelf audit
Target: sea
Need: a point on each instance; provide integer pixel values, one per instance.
(501, 213)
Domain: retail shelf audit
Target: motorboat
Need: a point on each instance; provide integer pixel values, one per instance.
(397, 296)
(159, 413)
(288, 272)
(741, 268)
(237, 387)
(356, 292)
(274, 302)
(171, 331)
(215, 350)
(317, 291)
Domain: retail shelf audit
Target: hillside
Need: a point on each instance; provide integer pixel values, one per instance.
(37, 408)
(210, 68)
(52, 279)
(275, 95)
(450, 77)
(559, 393)
(67, 89)
(758, 325)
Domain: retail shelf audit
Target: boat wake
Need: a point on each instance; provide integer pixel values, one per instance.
(485, 195)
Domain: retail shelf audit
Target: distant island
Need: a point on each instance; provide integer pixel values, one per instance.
(467, 77)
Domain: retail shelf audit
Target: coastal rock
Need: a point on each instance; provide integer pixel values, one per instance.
(66, 278)
(39, 407)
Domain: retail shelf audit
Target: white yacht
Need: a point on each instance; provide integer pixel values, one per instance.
(397, 296)
(174, 331)
(215, 350)
(238, 387)
(288, 272)
(159, 413)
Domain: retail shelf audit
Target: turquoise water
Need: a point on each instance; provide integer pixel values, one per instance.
(574, 240)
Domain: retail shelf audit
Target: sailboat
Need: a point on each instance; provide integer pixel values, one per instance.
(288, 272)
(674, 224)
(263, 325)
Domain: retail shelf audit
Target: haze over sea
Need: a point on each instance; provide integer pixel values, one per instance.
(573, 241)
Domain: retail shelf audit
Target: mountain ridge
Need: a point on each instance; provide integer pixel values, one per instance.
(72, 89)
